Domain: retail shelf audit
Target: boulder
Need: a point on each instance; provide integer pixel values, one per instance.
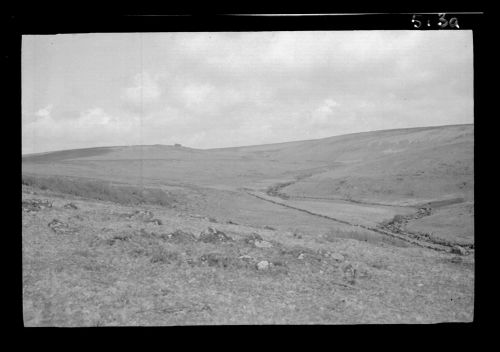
(60, 227)
(246, 258)
(155, 221)
(217, 260)
(253, 237)
(350, 273)
(262, 244)
(144, 215)
(263, 265)
(212, 235)
(337, 256)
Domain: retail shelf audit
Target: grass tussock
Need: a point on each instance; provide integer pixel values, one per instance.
(101, 190)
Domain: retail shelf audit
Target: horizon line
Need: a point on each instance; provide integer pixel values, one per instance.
(243, 146)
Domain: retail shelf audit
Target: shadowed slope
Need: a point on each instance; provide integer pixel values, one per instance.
(62, 155)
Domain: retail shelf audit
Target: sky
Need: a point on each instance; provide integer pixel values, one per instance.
(212, 90)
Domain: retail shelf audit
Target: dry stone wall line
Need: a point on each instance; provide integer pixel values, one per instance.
(398, 225)
(276, 191)
(429, 245)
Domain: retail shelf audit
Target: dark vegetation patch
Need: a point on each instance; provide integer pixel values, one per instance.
(163, 256)
(101, 190)
(222, 261)
(121, 237)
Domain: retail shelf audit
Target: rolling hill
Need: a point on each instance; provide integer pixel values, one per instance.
(374, 227)
(404, 166)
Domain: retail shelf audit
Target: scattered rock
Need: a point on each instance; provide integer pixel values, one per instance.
(423, 212)
(217, 260)
(459, 250)
(60, 227)
(34, 205)
(155, 221)
(350, 273)
(212, 235)
(337, 256)
(322, 252)
(252, 238)
(353, 271)
(144, 215)
(246, 258)
(262, 244)
(70, 206)
(179, 236)
(301, 256)
(263, 265)
(257, 241)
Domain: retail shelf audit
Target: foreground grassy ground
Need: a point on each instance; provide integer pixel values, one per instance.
(104, 263)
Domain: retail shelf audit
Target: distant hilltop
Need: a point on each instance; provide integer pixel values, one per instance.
(430, 134)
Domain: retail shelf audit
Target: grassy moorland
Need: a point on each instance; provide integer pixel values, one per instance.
(360, 228)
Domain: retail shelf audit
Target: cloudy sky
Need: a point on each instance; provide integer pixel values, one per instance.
(207, 90)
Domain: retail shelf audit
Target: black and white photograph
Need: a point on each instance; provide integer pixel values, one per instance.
(267, 177)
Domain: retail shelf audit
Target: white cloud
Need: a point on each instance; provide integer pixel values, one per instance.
(196, 94)
(44, 112)
(323, 113)
(206, 99)
(145, 89)
(94, 127)
(221, 89)
(95, 117)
